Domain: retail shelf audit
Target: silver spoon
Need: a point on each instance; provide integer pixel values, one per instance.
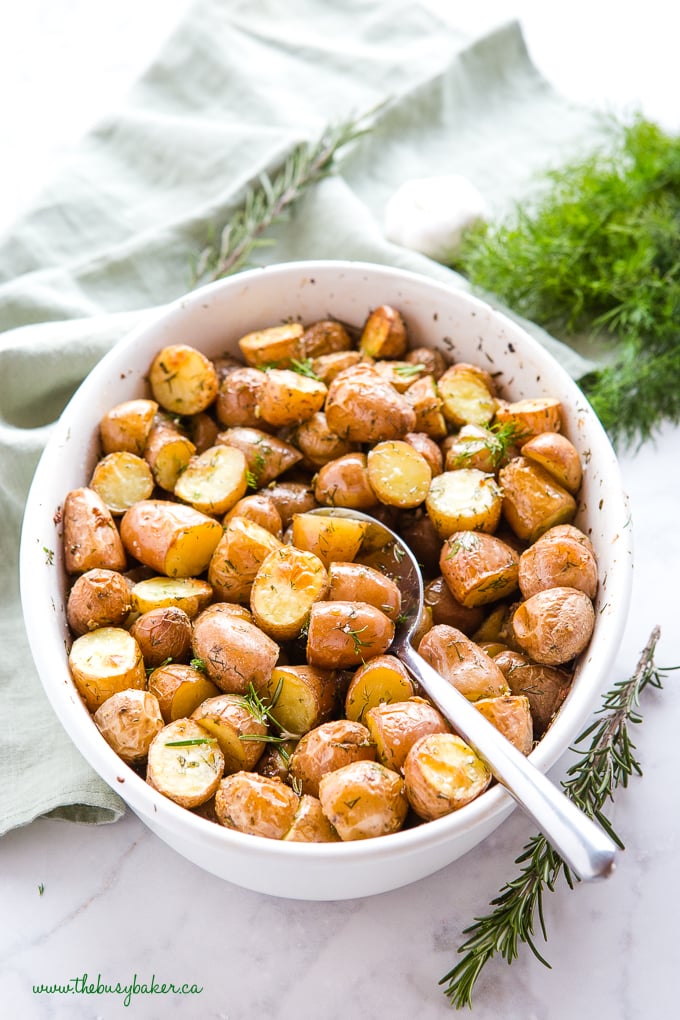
(584, 846)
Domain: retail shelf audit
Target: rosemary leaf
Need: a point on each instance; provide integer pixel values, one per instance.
(608, 763)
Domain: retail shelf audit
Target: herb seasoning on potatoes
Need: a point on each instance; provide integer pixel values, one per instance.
(234, 648)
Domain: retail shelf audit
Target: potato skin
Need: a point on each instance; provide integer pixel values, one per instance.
(363, 408)
(511, 715)
(395, 727)
(258, 805)
(171, 538)
(310, 824)
(98, 598)
(462, 663)
(532, 499)
(237, 398)
(557, 561)
(442, 774)
(227, 718)
(103, 662)
(128, 722)
(345, 634)
(163, 634)
(478, 568)
(91, 538)
(545, 687)
(328, 747)
(446, 609)
(558, 456)
(356, 582)
(180, 688)
(363, 800)
(345, 482)
(259, 508)
(236, 653)
(554, 625)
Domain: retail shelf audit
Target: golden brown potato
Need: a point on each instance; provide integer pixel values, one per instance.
(163, 634)
(363, 408)
(261, 509)
(235, 652)
(98, 598)
(267, 457)
(183, 380)
(174, 539)
(570, 531)
(478, 568)
(345, 482)
(327, 366)
(531, 417)
(381, 680)
(237, 398)
(476, 447)
(325, 337)
(464, 500)
(232, 609)
(287, 397)
(237, 730)
(127, 426)
(462, 663)
(128, 722)
(213, 481)
(558, 456)
(286, 586)
(202, 429)
(555, 625)
(275, 346)
(384, 334)
(467, 395)
(256, 804)
(432, 359)
(428, 449)
(446, 609)
(511, 715)
(395, 727)
(318, 442)
(184, 763)
(442, 774)
(167, 452)
(363, 799)
(122, 479)
(399, 374)
(310, 824)
(180, 689)
(239, 554)
(533, 502)
(330, 538)
(545, 687)
(103, 662)
(91, 538)
(190, 594)
(328, 747)
(357, 582)
(398, 474)
(346, 634)
(291, 498)
(555, 561)
(301, 697)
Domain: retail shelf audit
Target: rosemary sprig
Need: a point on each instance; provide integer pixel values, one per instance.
(266, 201)
(608, 763)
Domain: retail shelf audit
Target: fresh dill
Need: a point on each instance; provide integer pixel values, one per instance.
(596, 253)
(607, 764)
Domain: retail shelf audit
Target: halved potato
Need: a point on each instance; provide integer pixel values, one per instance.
(183, 380)
(310, 824)
(286, 586)
(325, 337)
(462, 663)
(103, 662)
(213, 480)
(358, 582)
(291, 498)
(239, 555)
(511, 715)
(287, 397)
(127, 426)
(558, 456)
(446, 609)
(545, 687)
(328, 747)
(163, 634)
(531, 417)
(267, 456)
(260, 508)
(180, 689)
(395, 727)
(464, 500)
(467, 396)
(384, 334)
(398, 474)
(346, 634)
(172, 538)
(344, 482)
(167, 452)
(382, 679)
(91, 538)
(128, 722)
(189, 594)
(319, 444)
(532, 500)
(330, 538)
(122, 479)
(363, 799)
(442, 773)
(229, 719)
(478, 568)
(184, 763)
(275, 346)
(427, 448)
(237, 398)
(301, 697)
(258, 805)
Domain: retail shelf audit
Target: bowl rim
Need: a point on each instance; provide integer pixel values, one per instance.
(149, 803)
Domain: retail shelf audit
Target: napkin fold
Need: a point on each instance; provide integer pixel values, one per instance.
(111, 239)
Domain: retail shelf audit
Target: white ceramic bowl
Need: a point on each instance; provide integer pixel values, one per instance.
(213, 318)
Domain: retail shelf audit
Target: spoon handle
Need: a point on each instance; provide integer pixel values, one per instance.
(584, 846)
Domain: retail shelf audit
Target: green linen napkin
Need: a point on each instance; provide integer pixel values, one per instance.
(112, 237)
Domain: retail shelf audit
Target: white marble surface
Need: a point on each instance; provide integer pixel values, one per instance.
(116, 902)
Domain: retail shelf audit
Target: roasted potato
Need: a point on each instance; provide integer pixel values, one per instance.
(558, 456)
(122, 479)
(213, 481)
(235, 652)
(442, 774)
(557, 561)
(467, 395)
(357, 582)
(330, 538)
(345, 482)
(258, 805)
(98, 598)
(310, 824)
(363, 408)
(478, 568)
(346, 634)
(363, 799)
(180, 689)
(381, 680)
(431, 358)
(184, 763)
(183, 380)
(428, 449)
(530, 417)
(464, 500)
(236, 728)
(238, 397)
(103, 662)
(511, 715)
(327, 366)
(462, 663)
(163, 634)
(446, 609)
(91, 538)
(291, 498)
(396, 726)
(128, 722)
(384, 334)
(267, 457)
(325, 337)
(398, 474)
(260, 508)
(286, 586)
(545, 687)
(301, 697)
(275, 346)
(532, 500)
(189, 594)
(167, 452)
(554, 625)
(318, 443)
(328, 747)
(239, 554)
(127, 426)
(174, 539)
(287, 397)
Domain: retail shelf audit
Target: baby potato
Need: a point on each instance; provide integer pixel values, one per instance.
(98, 598)
(545, 687)
(267, 456)
(261, 509)
(572, 532)
(286, 586)
(328, 747)
(310, 824)
(275, 345)
(275, 759)
(184, 763)
(301, 697)
(180, 689)
(127, 426)
(103, 662)
(396, 726)
(163, 633)
(467, 395)
(511, 715)
(358, 582)
(167, 452)
(213, 480)
(288, 397)
(330, 538)
(91, 538)
(128, 722)
(240, 553)
(122, 479)
(532, 500)
(182, 380)
(381, 680)
(478, 568)
(327, 366)
(472, 447)
(363, 408)
(555, 625)
(462, 663)
(384, 334)
(427, 448)
(432, 359)
(318, 443)
(399, 374)
(291, 498)
(558, 456)
(363, 799)
(345, 482)
(235, 652)
(464, 500)
(228, 719)
(202, 429)
(189, 594)
(530, 417)
(442, 774)
(346, 634)
(554, 561)
(258, 805)
(325, 337)
(446, 609)
(174, 539)
(420, 535)
(398, 474)
(237, 398)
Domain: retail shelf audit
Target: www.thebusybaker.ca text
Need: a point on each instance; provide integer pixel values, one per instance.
(83, 985)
